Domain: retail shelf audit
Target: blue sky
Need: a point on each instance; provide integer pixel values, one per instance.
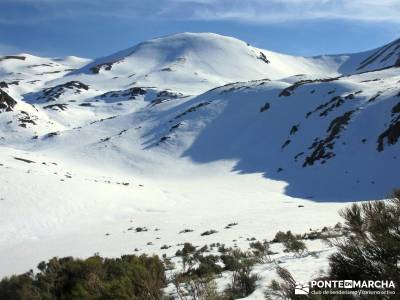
(93, 28)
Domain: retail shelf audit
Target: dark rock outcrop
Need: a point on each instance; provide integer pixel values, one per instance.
(53, 93)
(12, 57)
(129, 94)
(7, 103)
(323, 149)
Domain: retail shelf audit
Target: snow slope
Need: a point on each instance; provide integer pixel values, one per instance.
(190, 131)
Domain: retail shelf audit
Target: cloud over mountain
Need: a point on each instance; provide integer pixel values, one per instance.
(254, 11)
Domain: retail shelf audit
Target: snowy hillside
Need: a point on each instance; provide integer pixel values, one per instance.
(189, 131)
(380, 58)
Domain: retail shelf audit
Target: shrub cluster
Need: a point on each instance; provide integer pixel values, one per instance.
(197, 279)
(291, 243)
(127, 278)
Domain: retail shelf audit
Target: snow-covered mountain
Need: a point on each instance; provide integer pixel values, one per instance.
(186, 131)
(195, 62)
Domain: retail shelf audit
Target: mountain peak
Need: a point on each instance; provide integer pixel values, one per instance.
(195, 62)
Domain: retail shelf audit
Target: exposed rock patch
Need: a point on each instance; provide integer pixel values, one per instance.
(323, 149)
(53, 93)
(17, 57)
(392, 134)
(7, 103)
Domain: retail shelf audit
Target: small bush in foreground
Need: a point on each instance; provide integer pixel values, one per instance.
(296, 246)
(261, 251)
(370, 249)
(243, 282)
(283, 289)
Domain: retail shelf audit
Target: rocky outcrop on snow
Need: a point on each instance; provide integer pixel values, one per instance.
(7, 103)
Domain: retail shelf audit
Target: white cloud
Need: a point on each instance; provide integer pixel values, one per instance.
(254, 11)
(277, 11)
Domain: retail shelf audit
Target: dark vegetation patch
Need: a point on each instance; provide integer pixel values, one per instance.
(322, 149)
(129, 277)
